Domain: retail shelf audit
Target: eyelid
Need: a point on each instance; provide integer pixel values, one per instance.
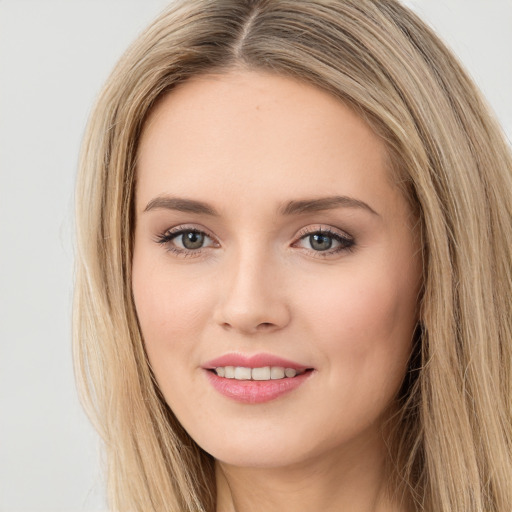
(188, 227)
(323, 228)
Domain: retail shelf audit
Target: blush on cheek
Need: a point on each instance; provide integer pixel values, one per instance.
(365, 334)
(369, 312)
(165, 300)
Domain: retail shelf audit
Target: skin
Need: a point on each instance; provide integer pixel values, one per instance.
(246, 143)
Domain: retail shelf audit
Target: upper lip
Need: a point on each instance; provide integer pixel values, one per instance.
(253, 361)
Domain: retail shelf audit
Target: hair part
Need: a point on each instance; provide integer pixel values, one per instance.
(451, 446)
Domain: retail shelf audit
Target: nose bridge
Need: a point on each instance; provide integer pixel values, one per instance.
(252, 298)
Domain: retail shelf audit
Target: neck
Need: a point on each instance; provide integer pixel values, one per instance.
(354, 480)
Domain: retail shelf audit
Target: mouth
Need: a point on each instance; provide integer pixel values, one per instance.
(262, 373)
(255, 379)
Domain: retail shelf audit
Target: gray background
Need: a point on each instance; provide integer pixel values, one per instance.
(54, 56)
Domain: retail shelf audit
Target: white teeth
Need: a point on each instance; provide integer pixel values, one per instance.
(242, 373)
(263, 373)
(290, 372)
(277, 372)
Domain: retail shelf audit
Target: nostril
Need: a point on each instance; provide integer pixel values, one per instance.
(265, 325)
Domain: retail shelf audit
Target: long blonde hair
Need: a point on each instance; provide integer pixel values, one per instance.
(452, 444)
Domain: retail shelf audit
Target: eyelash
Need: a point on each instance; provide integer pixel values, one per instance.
(165, 239)
(346, 243)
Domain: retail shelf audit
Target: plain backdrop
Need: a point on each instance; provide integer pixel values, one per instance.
(54, 56)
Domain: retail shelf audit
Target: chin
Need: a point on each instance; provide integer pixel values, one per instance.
(265, 449)
(257, 458)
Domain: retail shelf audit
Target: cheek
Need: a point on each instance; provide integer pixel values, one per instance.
(364, 324)
(363, 309)
(170, 309)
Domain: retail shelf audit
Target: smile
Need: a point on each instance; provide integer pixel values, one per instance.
(255, 379)
(260, 374)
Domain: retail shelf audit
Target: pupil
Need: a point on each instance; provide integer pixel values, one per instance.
(192, 240)
(320, 242)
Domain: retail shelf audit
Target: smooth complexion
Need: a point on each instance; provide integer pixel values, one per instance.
(241, 249)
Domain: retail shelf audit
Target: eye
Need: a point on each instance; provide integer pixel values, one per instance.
(190, 240)
(186, 240)
(325, 241)
(320, 241)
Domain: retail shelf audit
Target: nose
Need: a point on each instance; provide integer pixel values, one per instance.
(252, 297)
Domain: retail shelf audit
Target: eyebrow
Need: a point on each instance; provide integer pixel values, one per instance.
(181, 205)
(296, 207)
(323, 204)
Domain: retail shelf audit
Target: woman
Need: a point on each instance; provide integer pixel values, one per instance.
(294, 266)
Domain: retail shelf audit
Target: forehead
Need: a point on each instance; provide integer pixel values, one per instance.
(249, 132)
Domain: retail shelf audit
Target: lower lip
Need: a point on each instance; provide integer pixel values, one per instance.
(255, 391)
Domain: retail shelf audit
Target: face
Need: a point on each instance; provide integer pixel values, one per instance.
(271, 246)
